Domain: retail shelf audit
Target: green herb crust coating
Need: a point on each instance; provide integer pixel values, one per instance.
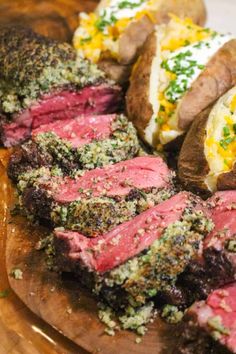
(98, 215)
(157, 269)
(152, 272)
(90, 216)
(51, 151)
(31, 64)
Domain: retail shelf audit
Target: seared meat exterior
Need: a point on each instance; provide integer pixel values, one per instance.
(41, 81)
(96, 201)
(81, 143)
(210, 326)
(216, 263)
(139, 258)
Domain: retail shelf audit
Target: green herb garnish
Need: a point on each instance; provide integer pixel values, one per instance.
(4, 293)
(128, 5)
(234, 128)
(226, 131)
(224, 143)
(85, 40)
(159, 120)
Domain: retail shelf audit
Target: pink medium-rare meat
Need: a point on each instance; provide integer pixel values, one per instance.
(223, 214)
(42, 80)
(61, 106)
(81, 130)
(116, 180)
(83, 143)
(125, 241)
(98, 200)
(210, 326)
(140, 258)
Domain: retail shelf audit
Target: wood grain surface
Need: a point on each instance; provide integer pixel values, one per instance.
(22, 332)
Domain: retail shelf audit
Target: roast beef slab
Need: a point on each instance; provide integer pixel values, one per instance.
(216, 264)
(85, 142)
(139, 258)
(41, 81)
(100, 199)
(210, 326)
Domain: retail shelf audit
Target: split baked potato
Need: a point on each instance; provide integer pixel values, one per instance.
(207, 160)
(182, 69)
(114, 33)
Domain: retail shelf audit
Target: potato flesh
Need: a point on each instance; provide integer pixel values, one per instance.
(91, 43)
(220, 159)
(168, 36)
(153, 127)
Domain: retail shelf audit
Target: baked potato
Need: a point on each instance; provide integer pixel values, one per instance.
(182, 69)
(114, 33)
(208, 155)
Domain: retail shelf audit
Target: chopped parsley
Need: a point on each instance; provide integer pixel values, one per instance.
(4, 293)
(129, 5)
(85, 40)
(226, 131)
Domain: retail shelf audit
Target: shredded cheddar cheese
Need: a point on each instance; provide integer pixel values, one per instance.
(179, 34)
(220, 142)
(233, 104)
(97, 34)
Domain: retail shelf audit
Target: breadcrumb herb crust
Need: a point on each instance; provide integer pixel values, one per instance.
(49, 150)
(157, 269)
(31, 64)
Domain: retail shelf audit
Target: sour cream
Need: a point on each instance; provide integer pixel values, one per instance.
(119, 9)
(187, 63)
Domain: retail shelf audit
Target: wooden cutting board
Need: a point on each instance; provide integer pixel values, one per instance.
(22, 332)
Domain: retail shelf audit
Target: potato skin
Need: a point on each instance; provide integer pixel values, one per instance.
(227, 181)
(217, 78)
(139, 109)
(192, 164)
(136, 34)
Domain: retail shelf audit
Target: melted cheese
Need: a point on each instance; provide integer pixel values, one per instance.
(98, 32)
(220, 142)
(185, 50)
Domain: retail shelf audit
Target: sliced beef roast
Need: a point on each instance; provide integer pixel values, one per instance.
(210, 326)
(141, 257)
(100, 199)
(216, 264)
(82, 143)
(42, 81)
